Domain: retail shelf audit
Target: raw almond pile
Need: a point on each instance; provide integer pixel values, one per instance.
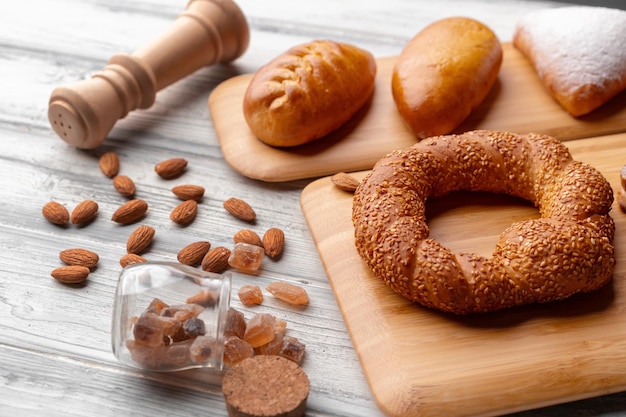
(246, 255)
(79, 263)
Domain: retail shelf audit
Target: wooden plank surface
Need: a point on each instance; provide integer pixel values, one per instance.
(420, 362)
(516, 103)
(55, 347)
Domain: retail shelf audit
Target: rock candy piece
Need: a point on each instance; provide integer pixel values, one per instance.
(156, 306)
(250, 295)
(194, 327)
(235, 324)
(172, 330)
(148, 330)
(236, 350)
(146, 356)
(177, 355)
(260, 329)
(292, 349)
(246, 257)
(280, 326)
(205, 298)
(289, 293)
(182, 312)
(201, 349)
(273, 347)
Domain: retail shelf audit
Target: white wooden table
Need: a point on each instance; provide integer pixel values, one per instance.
(55, 354)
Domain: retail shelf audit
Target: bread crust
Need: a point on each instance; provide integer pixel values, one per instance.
(308, 92)
(566, 251)
(444, 73)
(577, 53)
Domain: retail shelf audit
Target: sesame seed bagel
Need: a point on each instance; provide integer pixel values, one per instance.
(568, 250)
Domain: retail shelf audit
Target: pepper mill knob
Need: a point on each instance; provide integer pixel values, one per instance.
(208, 31)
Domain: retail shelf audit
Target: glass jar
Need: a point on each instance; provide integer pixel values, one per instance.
(168, 317)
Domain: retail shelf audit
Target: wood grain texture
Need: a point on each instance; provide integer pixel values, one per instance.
(55, 354)
(517, 103)
(421, 362)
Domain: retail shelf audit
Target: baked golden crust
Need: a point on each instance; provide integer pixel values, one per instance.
(444, 73)
(566, 251)
(308, 92)
(577, 52)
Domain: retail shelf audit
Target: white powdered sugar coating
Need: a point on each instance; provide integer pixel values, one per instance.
(580, 45)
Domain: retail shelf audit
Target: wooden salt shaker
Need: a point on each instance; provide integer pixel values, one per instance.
(208, 31)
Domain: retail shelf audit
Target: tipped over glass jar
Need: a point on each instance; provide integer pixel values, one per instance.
(169, 317)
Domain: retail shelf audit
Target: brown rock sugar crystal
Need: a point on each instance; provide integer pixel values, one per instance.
(260, 329)
(289, 293)
(169, 336)
(235, 324)
(182, 312)
(292, 349)
(204, 298)
(250, 295)
(148, 330)
(201, 349)
(246, 257)
(194, 327)
(266, 386)
(273, 347)
(236, 350)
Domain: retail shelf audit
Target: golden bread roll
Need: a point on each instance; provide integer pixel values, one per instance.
(578, 53)
(568, 250)
(308, 92)
(444, 73)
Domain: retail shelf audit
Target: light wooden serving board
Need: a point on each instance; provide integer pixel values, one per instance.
(419, 362)
(517, 103)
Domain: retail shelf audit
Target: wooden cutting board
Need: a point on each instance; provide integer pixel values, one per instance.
(422, 362)
(517, 103)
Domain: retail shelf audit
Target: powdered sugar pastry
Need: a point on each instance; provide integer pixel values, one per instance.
(578, 53)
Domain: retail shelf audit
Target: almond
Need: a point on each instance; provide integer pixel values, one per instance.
(247, 236)
(72, 274)
(274, 242)
(55, 213)
(131, 258)
(188, 192)
(124, 185)
(216, 259)
(84, 212)
(130, 212)
(79, 256)
(139, 239)
(240, 209)
(193, 253)
(170, 168)
(109, 164)
(345, 182)
(184, 213)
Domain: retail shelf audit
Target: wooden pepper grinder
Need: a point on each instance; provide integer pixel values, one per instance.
(208, 31)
